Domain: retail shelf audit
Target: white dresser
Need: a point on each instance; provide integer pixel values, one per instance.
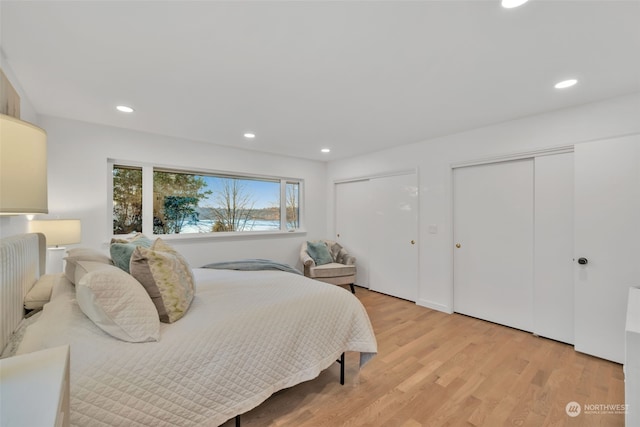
(34, 389)
(632, 359)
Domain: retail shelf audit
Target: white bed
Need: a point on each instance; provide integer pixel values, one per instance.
(246, 335)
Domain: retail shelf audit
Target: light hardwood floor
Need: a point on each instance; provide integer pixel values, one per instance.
(436, 369)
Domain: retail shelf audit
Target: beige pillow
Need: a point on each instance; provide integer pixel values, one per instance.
(166, 276)
(117, 303)
(82, 254)
(40, 293)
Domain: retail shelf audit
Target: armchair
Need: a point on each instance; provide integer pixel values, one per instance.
(340, 270)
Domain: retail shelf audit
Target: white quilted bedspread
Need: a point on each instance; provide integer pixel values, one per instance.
(246, 336)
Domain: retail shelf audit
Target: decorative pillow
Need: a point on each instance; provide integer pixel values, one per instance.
(82, 254)
(85, 267)
(319, 252)
(167, 277)
(335, 251)
(122, 249)
(40, 293)
(117, 303)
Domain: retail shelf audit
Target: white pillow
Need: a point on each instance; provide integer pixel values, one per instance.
(82, 268)
(40, 293)
(76, 255)
(117, 303)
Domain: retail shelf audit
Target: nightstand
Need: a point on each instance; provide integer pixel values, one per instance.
(34, 389)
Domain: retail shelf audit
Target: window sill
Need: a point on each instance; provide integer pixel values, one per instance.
(238, 235)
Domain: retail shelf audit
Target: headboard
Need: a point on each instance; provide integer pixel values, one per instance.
(22, 262)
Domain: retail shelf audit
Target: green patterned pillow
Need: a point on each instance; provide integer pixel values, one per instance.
(122, 249)
(319, 252)
(166, 276)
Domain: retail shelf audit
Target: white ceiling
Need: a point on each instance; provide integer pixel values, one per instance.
(355, 76)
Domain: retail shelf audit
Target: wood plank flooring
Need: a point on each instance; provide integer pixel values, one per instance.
(436, 369)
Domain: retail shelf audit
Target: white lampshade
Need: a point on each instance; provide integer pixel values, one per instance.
(58, 231)
(23, 167)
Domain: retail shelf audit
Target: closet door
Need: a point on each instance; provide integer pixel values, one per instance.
(394, 232)
(607, 235)
(493, 242)
(553, 262)
(353, 209)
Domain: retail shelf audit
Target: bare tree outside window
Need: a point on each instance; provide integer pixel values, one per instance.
(293, 205)
(234, 206)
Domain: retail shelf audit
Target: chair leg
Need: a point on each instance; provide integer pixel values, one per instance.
(353, 290)
(341, 362)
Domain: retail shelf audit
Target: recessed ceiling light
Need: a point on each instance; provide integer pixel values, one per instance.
(249, 135)
(565, 84)
(326, 150)
(510, 4)
(124, 109)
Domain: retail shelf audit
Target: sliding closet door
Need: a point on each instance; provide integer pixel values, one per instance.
(353, 209)
(377, 221)
(493, 242)
(553, 273)
(394, 231)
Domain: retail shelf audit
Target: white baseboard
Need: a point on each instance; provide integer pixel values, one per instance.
(435, 306)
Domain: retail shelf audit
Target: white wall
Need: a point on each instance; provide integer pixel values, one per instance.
(433, 158)
(78, 182)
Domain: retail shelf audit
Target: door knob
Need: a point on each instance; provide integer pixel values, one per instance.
(583, 261)
(413, 242)
(458, 245)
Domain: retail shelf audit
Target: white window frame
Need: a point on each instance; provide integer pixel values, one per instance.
(147, 200)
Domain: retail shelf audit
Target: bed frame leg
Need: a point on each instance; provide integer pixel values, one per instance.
(341, 362)
(237, 420)
(353, 290)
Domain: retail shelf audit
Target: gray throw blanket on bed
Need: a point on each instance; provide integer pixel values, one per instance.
(252, 265)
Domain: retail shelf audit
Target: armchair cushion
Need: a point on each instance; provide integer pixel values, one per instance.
(333, 269)
(319, 252)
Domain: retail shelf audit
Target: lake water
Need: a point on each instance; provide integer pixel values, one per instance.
(205, 226)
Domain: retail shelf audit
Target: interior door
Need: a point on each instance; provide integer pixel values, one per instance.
(553, 298)
(493, 242)
(353, 209)
(393, 250)
(607, 237)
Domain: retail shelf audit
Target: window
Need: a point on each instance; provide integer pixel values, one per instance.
(127, 199)
(292, 194)
(186, 202)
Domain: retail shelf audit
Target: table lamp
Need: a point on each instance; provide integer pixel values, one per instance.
(57, 232)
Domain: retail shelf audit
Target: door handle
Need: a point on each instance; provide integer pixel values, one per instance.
(413, 242)
(583, 261)
(458, 245)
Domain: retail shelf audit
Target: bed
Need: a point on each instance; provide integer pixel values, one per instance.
(246, 335)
